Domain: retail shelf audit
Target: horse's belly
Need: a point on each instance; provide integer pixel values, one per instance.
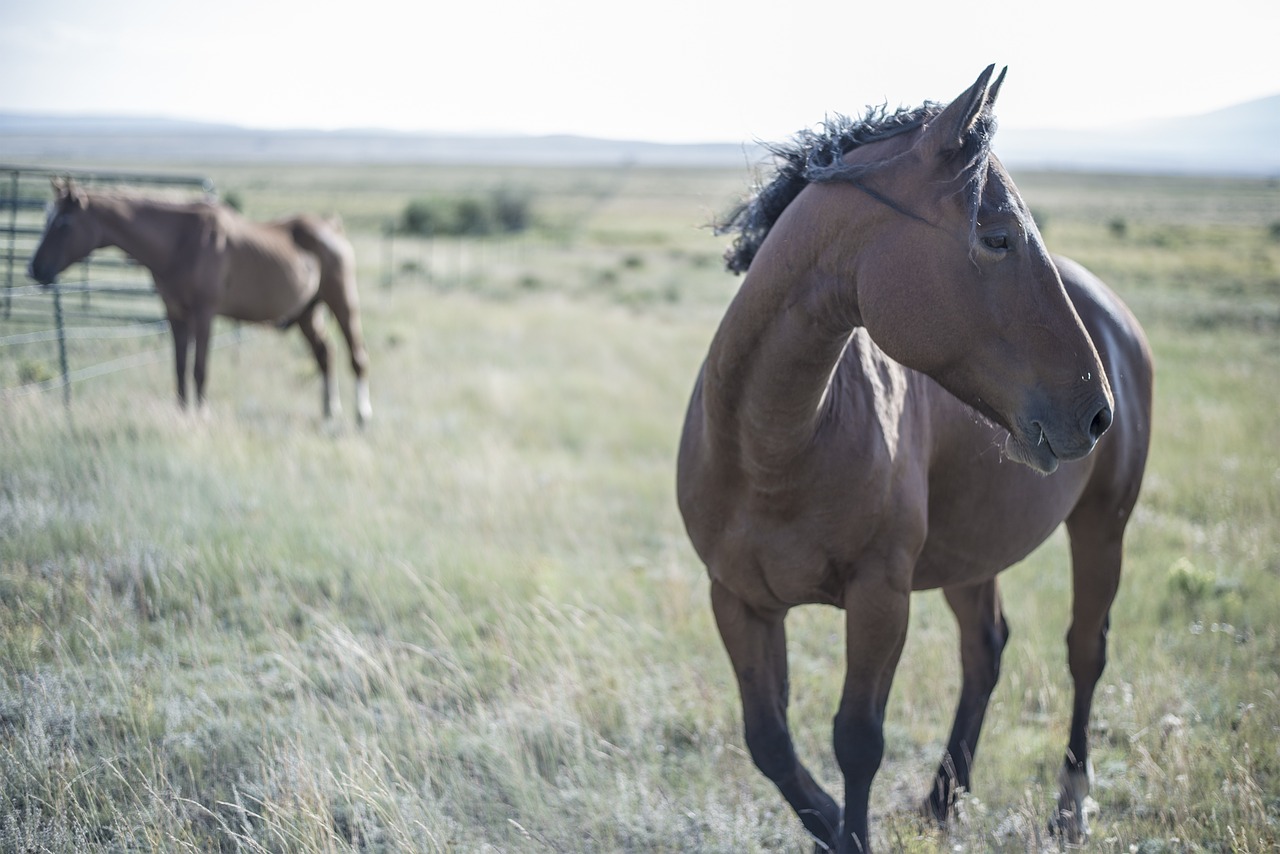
(971, 538)
(255, 309)
(269, 293)
(946, 563)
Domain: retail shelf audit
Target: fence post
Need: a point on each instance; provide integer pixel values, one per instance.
(62, 344)
(388, 254)
(13, 236)
(84, 281)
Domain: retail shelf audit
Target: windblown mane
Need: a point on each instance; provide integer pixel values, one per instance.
(816, 156)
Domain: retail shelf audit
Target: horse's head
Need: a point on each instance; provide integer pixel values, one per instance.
(70, 233)
(954, 280)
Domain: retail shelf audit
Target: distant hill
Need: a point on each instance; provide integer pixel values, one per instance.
(1239, 140)
(129, 139)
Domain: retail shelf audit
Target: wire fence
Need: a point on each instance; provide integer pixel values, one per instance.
(104, 308)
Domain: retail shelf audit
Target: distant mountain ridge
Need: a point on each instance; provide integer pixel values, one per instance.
(1238, 140)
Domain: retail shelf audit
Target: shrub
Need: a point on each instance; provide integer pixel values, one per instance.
(473, 217)
(512, 210)
(426, 217)
(32, 371)
(503, 211)
(1190, 582)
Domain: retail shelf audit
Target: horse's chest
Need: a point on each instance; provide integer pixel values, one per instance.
(806, 556)
(771, 567)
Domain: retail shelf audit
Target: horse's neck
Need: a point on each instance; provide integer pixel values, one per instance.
(771, 362)
(139, 228)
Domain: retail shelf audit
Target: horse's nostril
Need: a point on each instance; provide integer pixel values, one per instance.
(1101, 421)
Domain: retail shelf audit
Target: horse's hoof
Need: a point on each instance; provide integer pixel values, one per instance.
(364, 409)
(1071, 824)
(1065, 827)
(1075, 807)
(932, 811)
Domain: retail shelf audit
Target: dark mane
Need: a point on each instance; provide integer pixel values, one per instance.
(815, 156)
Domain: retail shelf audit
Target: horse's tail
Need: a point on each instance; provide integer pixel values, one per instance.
(325, 239)
(321, 237)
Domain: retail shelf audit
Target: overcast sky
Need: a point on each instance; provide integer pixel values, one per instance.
(667, 70)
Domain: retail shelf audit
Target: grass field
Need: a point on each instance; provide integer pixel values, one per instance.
(478, 625)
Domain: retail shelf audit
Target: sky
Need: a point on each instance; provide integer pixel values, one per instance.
(662, 70)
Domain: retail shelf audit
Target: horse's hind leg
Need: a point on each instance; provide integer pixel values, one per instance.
(757, 647)
(311, 322)
(983, 635)
(348, 317)
(1096, 545)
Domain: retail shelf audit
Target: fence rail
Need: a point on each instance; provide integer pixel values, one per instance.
(85, 306)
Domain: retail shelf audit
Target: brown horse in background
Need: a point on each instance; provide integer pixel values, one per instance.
(899, 323)
(208, 260)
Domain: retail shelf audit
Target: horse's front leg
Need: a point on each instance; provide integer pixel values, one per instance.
(181, 342)
(203, 326)
(983, 635)
(877, 603)
(757, 647)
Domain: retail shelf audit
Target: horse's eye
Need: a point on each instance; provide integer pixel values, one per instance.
(998, 242)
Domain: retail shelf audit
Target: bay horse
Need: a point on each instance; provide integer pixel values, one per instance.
(900, 322)
(206, 260)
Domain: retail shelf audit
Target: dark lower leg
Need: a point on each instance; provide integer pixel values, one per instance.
(875, 628)
(859, 750)
(983, 635)
(181, 343)
(756, 644)
(203, 328)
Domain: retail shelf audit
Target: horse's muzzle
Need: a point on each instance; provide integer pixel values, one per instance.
(1043, 443)
(41, 276)
(1099, 423)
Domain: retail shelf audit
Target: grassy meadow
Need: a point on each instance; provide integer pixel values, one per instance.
(478, 625)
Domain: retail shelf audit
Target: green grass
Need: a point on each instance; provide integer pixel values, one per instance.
(478, 625)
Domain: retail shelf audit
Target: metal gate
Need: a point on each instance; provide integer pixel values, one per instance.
(98, 306)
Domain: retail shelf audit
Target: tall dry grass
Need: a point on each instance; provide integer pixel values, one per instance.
(478, 625)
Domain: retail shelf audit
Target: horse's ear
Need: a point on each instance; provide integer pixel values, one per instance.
(75, 194)
(994, 91)
(950, 128)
